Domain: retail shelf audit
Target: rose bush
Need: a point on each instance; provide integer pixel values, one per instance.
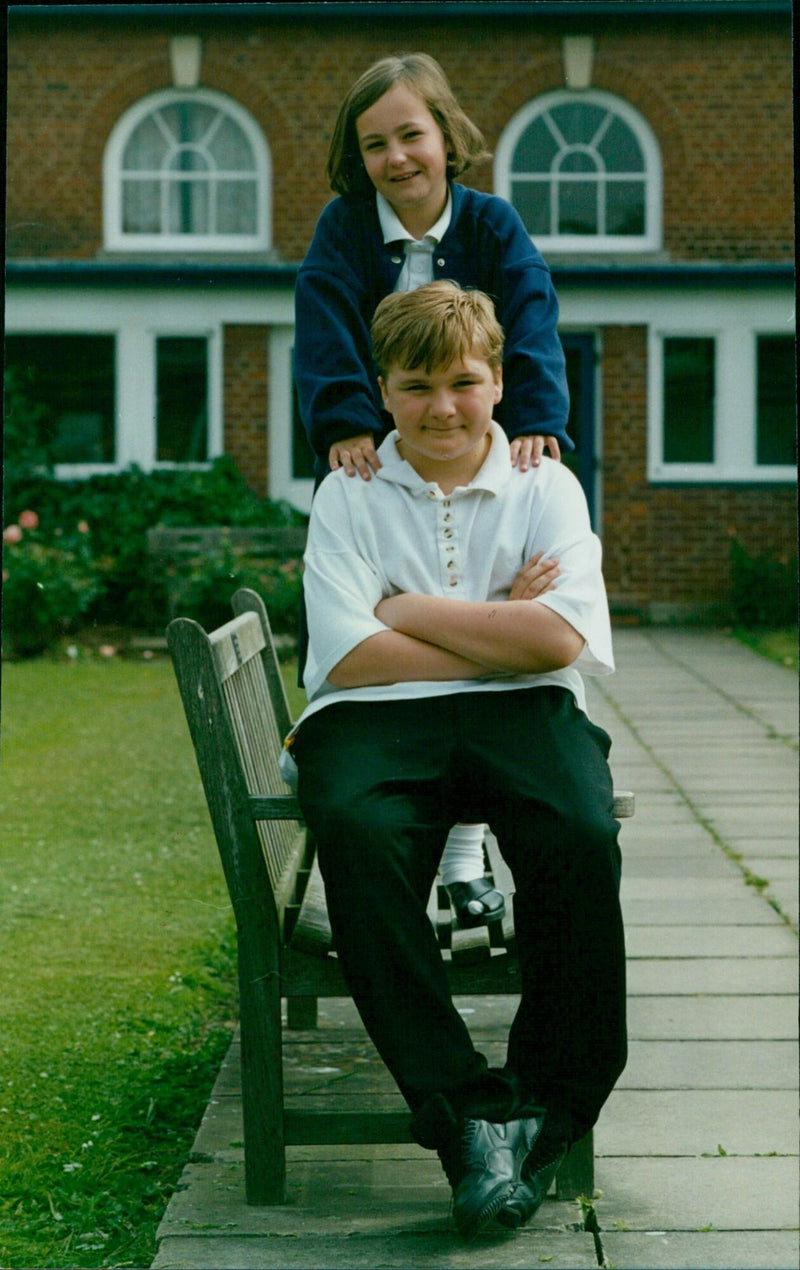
(50, 580)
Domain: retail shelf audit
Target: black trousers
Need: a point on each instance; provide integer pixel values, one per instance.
(380, 784)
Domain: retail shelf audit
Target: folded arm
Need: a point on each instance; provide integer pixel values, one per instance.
(516, 636)
(393, 657)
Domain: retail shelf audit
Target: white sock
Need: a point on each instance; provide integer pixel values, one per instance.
(462, 860)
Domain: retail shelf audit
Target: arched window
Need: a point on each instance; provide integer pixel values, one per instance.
(583, 169)
(187, 169)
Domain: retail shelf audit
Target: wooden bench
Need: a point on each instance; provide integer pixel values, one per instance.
(233, 695)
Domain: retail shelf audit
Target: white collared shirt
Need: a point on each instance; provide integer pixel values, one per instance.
(397, 532)
(418, 264)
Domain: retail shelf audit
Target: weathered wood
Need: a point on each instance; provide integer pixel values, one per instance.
(251, 894)
(238, 716)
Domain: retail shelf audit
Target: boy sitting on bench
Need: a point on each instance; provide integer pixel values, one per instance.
(440, 692)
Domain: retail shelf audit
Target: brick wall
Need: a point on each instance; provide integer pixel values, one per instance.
(668, 546)
(717, 93)
(245, 384)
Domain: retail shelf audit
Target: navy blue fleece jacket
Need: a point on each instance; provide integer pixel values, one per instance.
(349, 269)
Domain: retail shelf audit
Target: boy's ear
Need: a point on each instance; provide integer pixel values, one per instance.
(382, 386)
(498, 385)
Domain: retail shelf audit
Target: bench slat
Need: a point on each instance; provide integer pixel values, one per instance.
(236, 643)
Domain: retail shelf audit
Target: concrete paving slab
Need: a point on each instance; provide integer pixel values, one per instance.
(717, 975)
(706, 865)
(713, 1018)
(760, 1017)
(778, 868)
(680, 888)
(680, 1064)
(710, 941)
(761, 844)
(735, 908)
(712, 1250)
(340, 1191)
(692, 1122)
(691, 1195)
(403, 1251)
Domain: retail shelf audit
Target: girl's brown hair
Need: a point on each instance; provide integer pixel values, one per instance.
(432, 326)
(423, 75)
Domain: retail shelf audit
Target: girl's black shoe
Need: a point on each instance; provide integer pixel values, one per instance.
(476, 903)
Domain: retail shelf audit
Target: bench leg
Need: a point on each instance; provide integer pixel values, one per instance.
(576, 1175)
(301, 1012)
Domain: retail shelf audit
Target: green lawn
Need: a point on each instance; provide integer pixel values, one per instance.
(118, 959)
(778, 645)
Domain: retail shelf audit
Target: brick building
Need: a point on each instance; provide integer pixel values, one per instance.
(165, 173)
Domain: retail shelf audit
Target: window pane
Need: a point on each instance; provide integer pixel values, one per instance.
(188, 159)
(578, 161)
(620, 149)
(181, 399)
(532, 201)
(776, 400)
(141, 207)
(236, 207)
(188, 207)
(535, 150)
(72, 376)
(577, 207)
(624, 207)
(231, 149)
(188, 120)
(578, 121)
(689, 400)
(146, 148)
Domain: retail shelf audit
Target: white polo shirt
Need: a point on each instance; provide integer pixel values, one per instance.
(418, 264)
(397, 532)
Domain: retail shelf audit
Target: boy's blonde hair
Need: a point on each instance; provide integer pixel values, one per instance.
(464, 143)
(430, 327)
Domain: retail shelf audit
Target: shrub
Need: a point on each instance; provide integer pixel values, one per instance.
(49, 581)
(205, 591)
(763, 588)
(121, 507)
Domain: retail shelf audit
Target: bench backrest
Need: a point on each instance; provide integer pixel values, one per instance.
(238, 715)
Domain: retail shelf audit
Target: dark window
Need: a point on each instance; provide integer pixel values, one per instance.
(182, 399)
(72, 378)
(776, 398)
(689, 400)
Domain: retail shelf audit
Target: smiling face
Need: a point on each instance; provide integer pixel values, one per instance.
(405, 156)
(443, 417)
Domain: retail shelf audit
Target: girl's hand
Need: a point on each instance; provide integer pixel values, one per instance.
(527, 451)
(535, 577)
(355, 454)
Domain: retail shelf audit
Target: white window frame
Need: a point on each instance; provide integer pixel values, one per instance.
(130, 319)
(114, 237)
(283, 484)
(651, 239)
(735, 409)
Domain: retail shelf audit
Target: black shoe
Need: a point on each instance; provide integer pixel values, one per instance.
(536, 1178)
(484, 1169)
(476, 902)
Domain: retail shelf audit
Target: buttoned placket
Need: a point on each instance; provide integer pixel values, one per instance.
(446, 540)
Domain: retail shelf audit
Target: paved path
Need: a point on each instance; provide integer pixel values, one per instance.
(697, 1150)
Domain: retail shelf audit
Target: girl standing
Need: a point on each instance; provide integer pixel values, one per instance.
(401, 219)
